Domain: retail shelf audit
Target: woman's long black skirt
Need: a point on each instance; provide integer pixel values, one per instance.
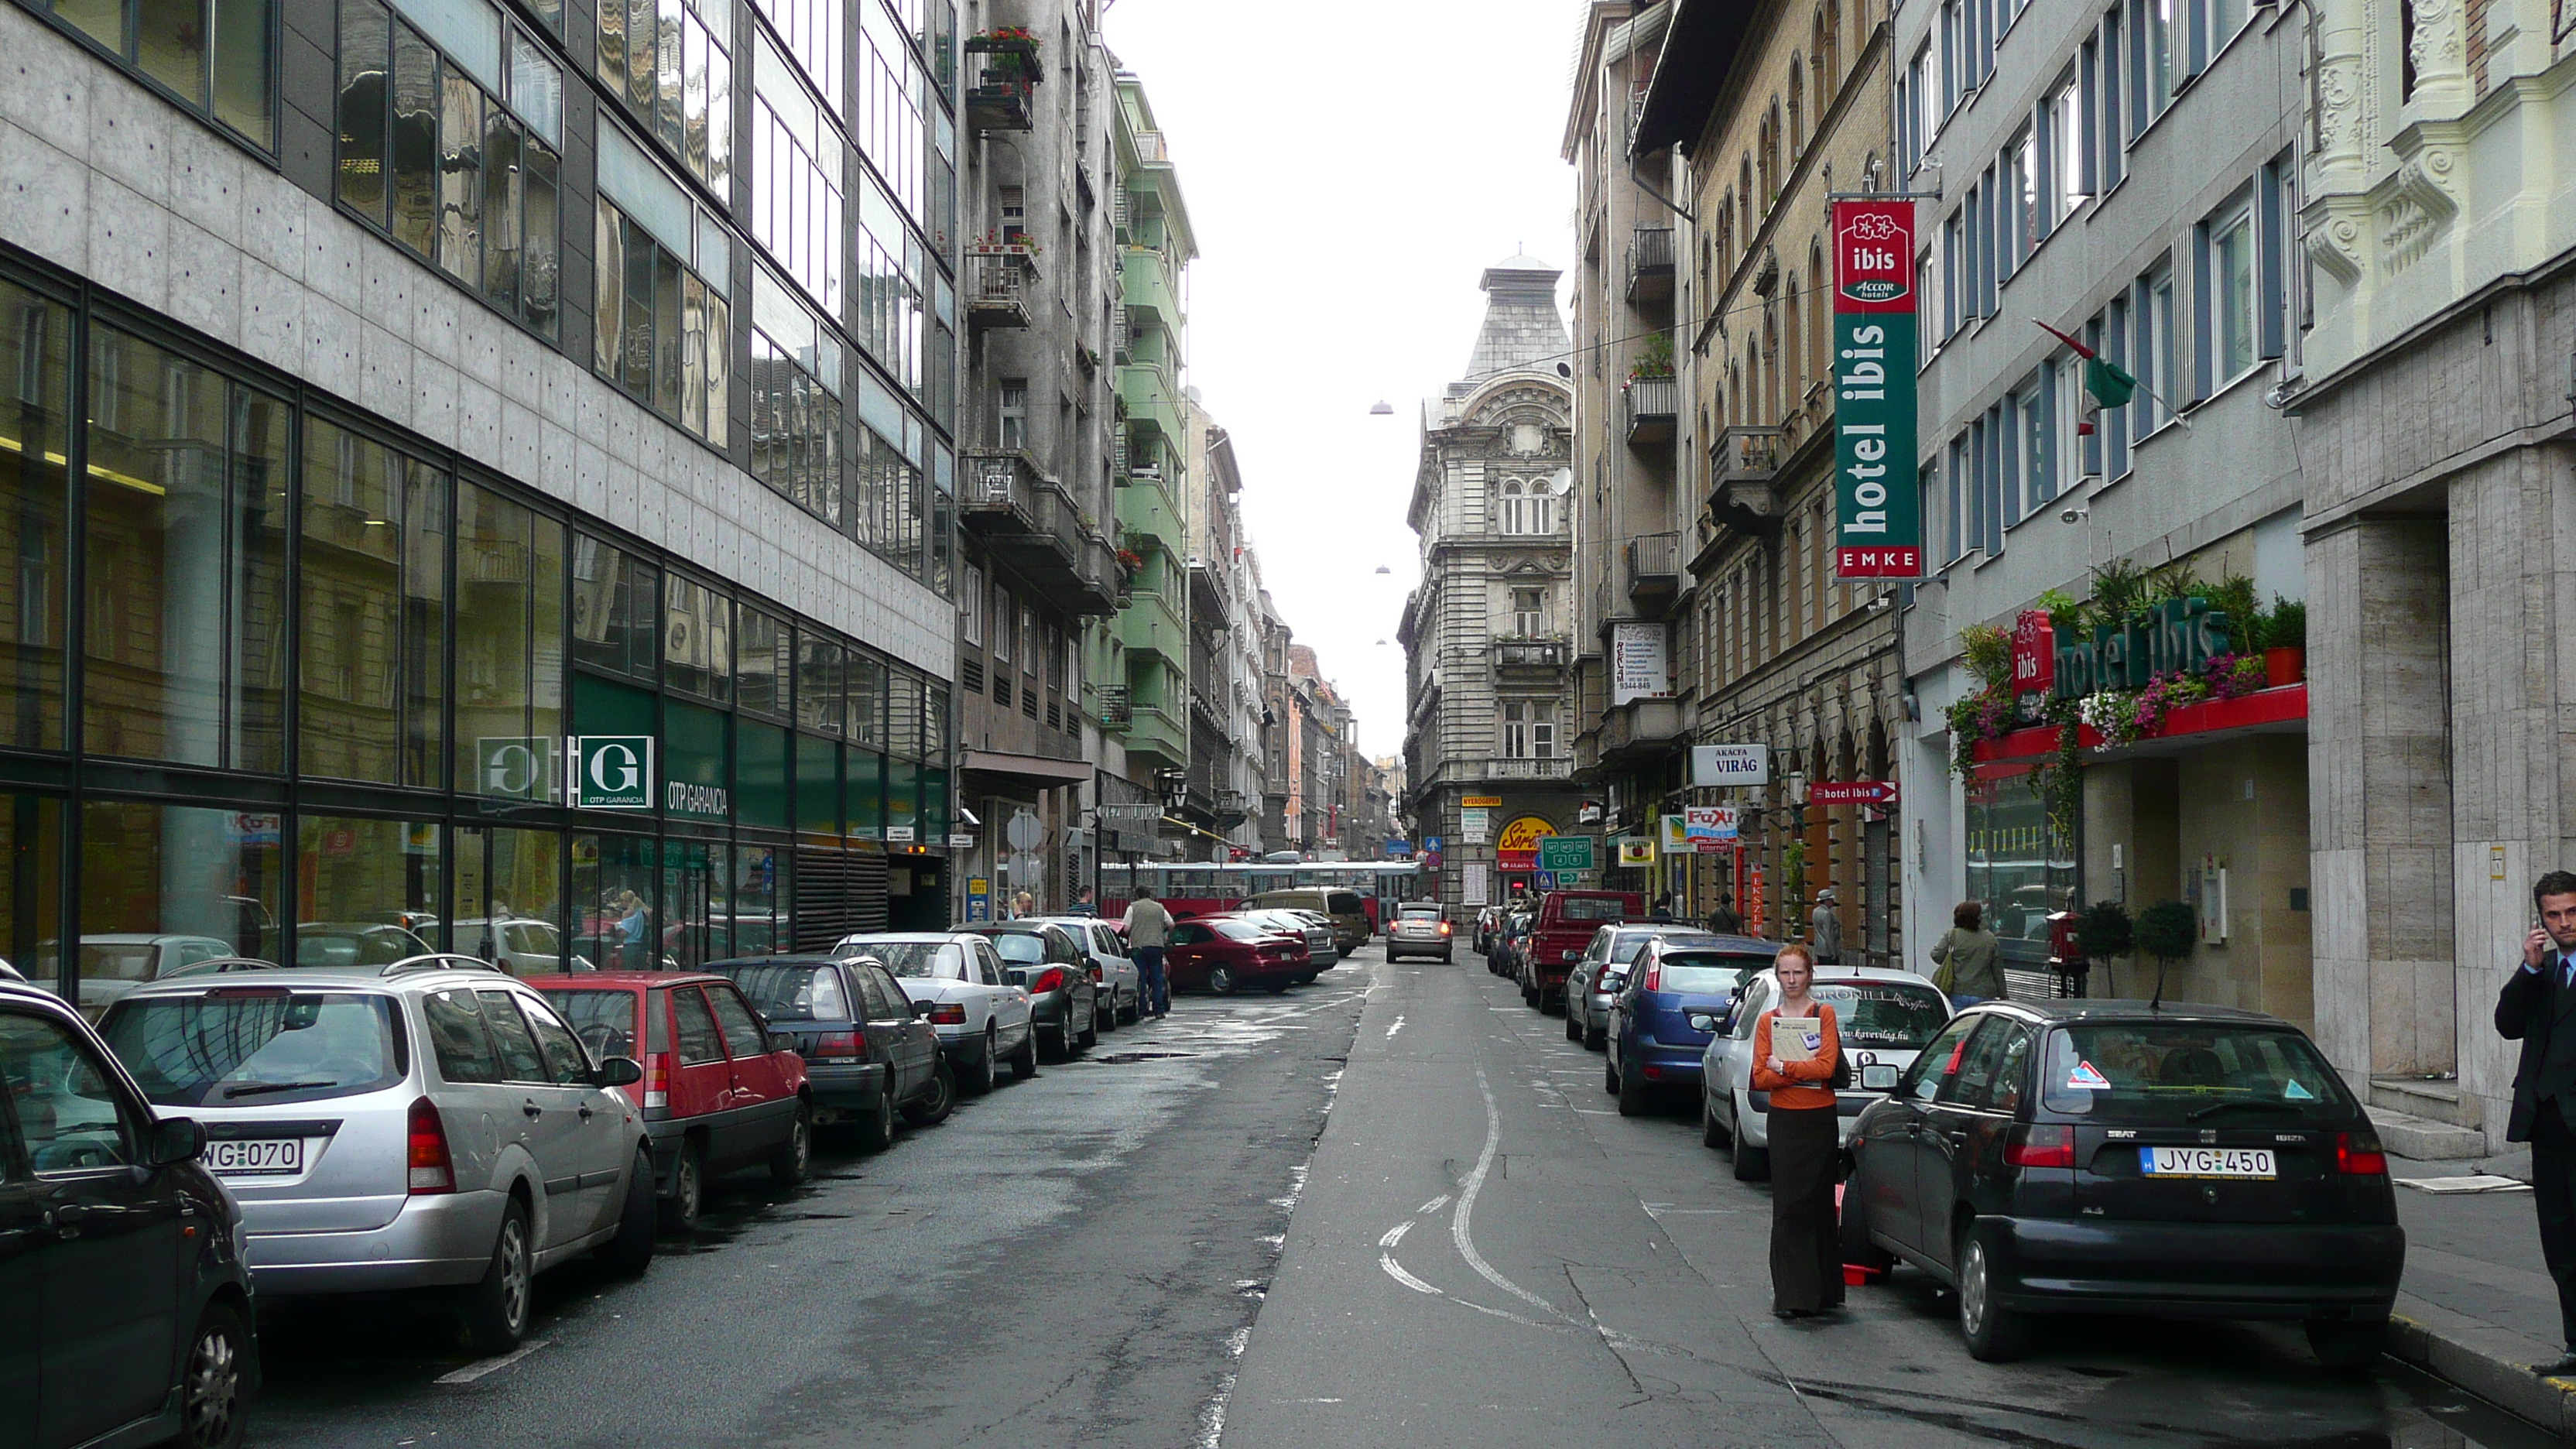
(1806, 1243)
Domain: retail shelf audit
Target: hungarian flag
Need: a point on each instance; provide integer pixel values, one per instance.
(2105, 384)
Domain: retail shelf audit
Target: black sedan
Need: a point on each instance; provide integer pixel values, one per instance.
(1046, 959)
(2114, 1157)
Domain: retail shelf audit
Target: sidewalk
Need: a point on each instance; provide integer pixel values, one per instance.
(2476, 1306)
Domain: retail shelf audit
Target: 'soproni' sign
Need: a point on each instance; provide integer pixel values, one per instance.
(1878, 510)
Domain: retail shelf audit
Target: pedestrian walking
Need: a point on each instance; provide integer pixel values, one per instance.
(1825, 929)
(2532, 1010)
(1085, 903)
(1724, 921)
(1971, 960)
(1795, 1048)
(1149, 928)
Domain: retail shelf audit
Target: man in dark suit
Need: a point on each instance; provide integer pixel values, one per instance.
(2538, 1009)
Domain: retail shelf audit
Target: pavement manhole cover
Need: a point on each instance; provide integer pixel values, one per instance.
(1114, 1057)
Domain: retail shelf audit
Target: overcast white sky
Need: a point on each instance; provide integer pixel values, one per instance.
(1351, 168)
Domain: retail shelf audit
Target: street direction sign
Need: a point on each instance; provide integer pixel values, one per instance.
(1565, 852)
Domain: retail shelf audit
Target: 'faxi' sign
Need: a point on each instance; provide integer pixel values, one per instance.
(1878, 508)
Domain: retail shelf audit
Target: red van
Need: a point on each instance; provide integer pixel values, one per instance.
(1566, 921)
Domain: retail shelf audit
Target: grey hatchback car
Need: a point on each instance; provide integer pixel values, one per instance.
(426, 1124)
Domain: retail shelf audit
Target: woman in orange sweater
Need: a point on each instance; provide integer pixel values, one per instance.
(1806, 1242)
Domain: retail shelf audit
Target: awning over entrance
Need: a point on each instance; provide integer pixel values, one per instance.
(1036, 772)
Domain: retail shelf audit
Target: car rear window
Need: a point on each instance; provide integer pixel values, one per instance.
(1020, 948)
(1625, 948)
(1892, 1015)
(1239, 930)
(2167, 1072)
(1590, 908)
(1706, 973)
(1343, 903)
(239, 1045)
(603, 1018)
(1419, 913)
(797, 993)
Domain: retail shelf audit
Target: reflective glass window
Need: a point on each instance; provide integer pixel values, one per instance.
(372, 675)
(798, 162)
(509, 651)
(764, 656)
(217, 57)
(697, 638)
(818, 683)
(164, 884)
(616, 609)
(366, 891)
(35, 438)
(509, 898)
(670, 64)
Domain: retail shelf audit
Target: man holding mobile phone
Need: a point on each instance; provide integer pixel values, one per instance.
(2538, 1009)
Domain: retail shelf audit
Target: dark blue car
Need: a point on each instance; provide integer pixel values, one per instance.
(1652, 1042)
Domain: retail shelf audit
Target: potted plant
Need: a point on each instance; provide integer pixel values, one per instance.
(2167, 931)
(1654, 358)
(1011, 51)
(2103, 933)
(2285, 642)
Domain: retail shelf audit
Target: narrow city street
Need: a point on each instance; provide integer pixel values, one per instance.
(1153, 1247)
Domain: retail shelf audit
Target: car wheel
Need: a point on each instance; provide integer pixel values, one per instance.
(795, 1159)
(688, 1190)
(876, 1130)
(1635, 1096)
(1752, 1164)
(1529, 995)
(1306, 980)
(1573, 1028)
(1221, 980)
(980, 1080)
(932, 1110)
(1711, 1135)
(1857, 1248)
(214, 1386)
(496, 1309)
(2347, 1345)
(629, 1253)
(1596, 1038)
(1610, 1076)
(1107, 1014)
(1133, 1014)
(1024, 1062)
(1994, 1334)
(1089, 1036)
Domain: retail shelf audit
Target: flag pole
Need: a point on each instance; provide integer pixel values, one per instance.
(2088, 355)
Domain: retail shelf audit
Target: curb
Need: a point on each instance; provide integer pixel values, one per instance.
(2490, 1362)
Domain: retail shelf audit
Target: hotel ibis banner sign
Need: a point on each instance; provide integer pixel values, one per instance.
(1878, 507)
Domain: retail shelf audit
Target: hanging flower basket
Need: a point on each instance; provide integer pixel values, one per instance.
(1012, 52)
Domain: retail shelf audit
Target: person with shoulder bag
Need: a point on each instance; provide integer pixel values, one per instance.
(1797, 1058)
(1970, 959)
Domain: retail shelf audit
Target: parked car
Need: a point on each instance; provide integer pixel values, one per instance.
(222, 965)
(520, 945)
(721, 1090)
(146, 1330)
(2121, 1157)
(869, 1054)
(428, 1124)
(114, 963)
(1316, 931)
(355, 943)
(1048, 961)
(1563, 927)
(1325, 950)
(1883, 1016)
(1596, 978)
(1420, 928)
(1227, 954)
(1489, 919)
(1345, 908)
(981, 1019)
(1122, 985)
(1665, 1013)
(1510, 938)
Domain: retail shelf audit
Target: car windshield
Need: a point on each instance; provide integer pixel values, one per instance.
(2170, 1072)
(235, 1045)
(1020, 948)
(1626, 949)
(604, 1019)
(1238, 930)
(924, 958)
(1590, 908)
(1895, 1015)
(789, 992)
(1706, 973)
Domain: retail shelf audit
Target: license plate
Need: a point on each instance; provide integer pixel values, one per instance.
(243, 1156)
(2248, 1162)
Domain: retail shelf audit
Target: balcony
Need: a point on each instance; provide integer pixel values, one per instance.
(1150, 150)
(1653, 405)
(1639, 730)
(1211, 595)
(1152, 299)
(1742, 465)
(1521, 661)
(1104, 579)
(1122, 342)
(1002, 74)
(1650, 267)
(1654, 569)
(1030, 526)
(1555, 769)
(1000, 281)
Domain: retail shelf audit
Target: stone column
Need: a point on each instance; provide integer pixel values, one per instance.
(2379, 795)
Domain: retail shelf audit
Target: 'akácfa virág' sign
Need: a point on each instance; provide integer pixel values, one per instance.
(2176, 636)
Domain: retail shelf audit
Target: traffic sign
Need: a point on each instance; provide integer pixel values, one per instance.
(1024, 831)
(612, 772)
(1565, 852)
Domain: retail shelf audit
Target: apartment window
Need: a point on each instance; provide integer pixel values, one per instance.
(1005, 612)
(1929, 297)
(663, 325)
(2065, 159)
(2153, 68)
(2153, 347)
(795, 381)
(1529, 730)
(798, 161)
(2108, 83)
(1953, 288)
(1011, 416)
(892, 87)
(1953, 32)
(1529, 613)
(2283, 261)
(2033, 409)
(216, 57)
(970, 604)
(2115, 423)
(450, 147)
(2025, 220)
(2219, 22)
(813, 31)
(666, 60)
(1961, 497)
(1012, 204)
(2227, 294)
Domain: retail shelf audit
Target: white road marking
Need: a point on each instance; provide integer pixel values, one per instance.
(1392, 1030)
(1396, 1271)
(1460, 1229)
(1434, 1205)
(494, 1364)
(1395, 1235)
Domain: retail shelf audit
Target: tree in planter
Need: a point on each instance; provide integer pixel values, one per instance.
(2104, 932)
(2167, 931)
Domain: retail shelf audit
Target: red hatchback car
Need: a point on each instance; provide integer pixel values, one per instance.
(1227, 954)
(719, 1094)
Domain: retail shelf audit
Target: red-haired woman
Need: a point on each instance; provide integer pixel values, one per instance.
(1797, 1068)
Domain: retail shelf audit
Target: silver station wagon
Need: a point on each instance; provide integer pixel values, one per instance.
(426, 1124)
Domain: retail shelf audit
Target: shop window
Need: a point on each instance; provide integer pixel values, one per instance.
(31, 890)
(818, 787)
(757, 920)
(867, 707)
(616, 610)
(164, 884)
(450, 142)
(2017, 866)
(367, 892)
(616, 887)
(697, 638)
(216, 57)
(903, 800)
(697, 763)
(662, 322)
(373, 661)
(934, 805)
(795, 380)
(667, 62)
(798, 166)
(35, 438)
(510, 900)
(764, 658)
(863, 794)
(818, 683)
(509, 654)
(186, 562)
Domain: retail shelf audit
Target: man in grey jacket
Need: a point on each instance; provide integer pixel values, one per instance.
(1149, 929)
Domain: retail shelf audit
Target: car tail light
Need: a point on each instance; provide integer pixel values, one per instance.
(840, 1048)
(948, 1013)
(2357, 1154)
(1051, 979)
(1444, 928)
(657, 1079)
(1095, 975)
(1654, 976)
(432, 1170)
(2041, 1146)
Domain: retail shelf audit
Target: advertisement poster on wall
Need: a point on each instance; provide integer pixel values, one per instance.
(1517, 849)
(1640, 667)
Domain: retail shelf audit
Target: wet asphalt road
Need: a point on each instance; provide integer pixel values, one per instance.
(1153, 1247)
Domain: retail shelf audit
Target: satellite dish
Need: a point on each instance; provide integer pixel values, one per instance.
(1561, 482)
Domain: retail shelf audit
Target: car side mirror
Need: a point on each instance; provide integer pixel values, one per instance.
(620, 1072)
(1702, 1021)
(922, 1008)
(177, 1139)
(782, 1041)
(1878, 1077)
